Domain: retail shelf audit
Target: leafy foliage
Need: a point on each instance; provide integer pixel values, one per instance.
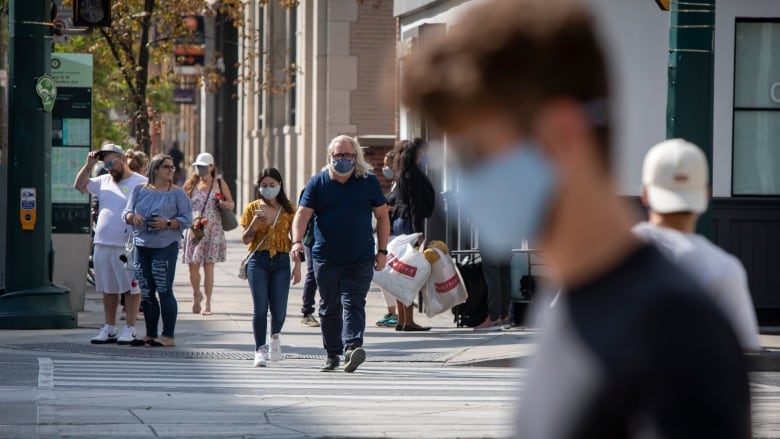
(134, 60)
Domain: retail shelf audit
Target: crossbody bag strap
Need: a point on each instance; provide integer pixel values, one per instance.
(206, 202)
(249, 255)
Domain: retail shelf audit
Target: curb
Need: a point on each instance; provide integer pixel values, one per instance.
(767, 361)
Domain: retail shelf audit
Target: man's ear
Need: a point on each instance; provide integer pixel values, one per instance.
(563, 127)
(643, 196)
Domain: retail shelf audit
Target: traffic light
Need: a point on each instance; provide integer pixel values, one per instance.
(92, 13)
(663, 4)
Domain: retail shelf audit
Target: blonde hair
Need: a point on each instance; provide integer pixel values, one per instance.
(362, 168)
(137, 161)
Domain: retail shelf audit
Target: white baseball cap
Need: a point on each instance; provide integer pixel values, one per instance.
(204, 159)
(676, 178)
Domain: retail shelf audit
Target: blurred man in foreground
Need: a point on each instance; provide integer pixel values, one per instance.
(633, 348)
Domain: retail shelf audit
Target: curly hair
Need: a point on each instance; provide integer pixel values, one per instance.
(362, 167)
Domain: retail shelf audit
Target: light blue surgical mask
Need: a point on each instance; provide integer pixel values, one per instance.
(269, 192)
(387, 172)
(343, 166)
(423, 164)
(508, 198)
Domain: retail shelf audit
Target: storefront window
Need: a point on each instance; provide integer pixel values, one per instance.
(757, 108)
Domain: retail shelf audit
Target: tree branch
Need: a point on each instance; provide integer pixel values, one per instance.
(128, 76)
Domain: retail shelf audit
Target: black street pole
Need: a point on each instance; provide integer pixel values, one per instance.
(690, 97)
(30, 300)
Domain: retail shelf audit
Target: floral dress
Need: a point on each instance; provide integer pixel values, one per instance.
(212, 247)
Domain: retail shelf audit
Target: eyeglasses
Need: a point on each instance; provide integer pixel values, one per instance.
(347, 156)
(168, 166)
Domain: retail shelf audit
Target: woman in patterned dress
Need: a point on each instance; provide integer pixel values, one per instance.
(209, 249)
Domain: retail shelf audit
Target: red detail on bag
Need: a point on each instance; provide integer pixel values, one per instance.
(405, 269)
(448, 285)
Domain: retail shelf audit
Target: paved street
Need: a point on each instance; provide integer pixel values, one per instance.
(444, 383)
(93, 397)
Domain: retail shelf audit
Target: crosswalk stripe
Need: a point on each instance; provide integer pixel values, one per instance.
(435, 383)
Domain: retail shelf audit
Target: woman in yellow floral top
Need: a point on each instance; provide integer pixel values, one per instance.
(267, 222)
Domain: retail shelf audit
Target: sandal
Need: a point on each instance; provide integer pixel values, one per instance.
(166, 342)
(196, 304)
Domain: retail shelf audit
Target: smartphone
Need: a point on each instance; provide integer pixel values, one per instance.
(302, 256)
(260, 212)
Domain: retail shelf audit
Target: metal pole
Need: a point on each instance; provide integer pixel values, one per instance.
(690, 93)
(30, 300)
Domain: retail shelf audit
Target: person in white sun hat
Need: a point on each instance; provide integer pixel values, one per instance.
(675, 188)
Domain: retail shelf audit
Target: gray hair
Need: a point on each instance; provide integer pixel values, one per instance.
(362, 168)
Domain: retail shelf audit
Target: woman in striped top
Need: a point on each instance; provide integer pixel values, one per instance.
(158, 212)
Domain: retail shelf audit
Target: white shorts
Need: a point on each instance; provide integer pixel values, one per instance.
(111, 276)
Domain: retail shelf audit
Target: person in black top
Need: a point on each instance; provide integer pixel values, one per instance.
(631, 348)
(413, 201)
(178, 158)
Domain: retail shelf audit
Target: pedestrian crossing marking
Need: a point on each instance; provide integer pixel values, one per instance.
(287, 379)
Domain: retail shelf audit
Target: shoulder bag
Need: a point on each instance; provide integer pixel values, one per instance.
(229, 220)
(242, 266)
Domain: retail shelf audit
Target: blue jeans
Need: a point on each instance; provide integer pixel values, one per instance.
(343, 290)
(269, 282)
(402, 226)
(154, 270)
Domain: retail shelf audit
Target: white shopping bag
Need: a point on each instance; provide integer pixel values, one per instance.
(444, 288)
(406, 271)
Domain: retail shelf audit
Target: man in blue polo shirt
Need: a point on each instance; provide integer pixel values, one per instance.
(341, 199)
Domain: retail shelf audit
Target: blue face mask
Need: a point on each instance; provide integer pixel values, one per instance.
(269, 193)
(387, 172)
(508, 197)
(423, 162)
(343, 166)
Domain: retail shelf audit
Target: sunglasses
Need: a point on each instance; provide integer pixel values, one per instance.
(168, 166)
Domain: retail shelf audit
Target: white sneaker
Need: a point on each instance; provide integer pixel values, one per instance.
(260, 357)
(107, 335)
(128, 336)
(276, 350)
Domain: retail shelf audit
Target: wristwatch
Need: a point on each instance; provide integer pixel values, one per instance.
(383, 251)
(297, 242)
(168, 223)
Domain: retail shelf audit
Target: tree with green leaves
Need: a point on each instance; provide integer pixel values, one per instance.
(135, 61)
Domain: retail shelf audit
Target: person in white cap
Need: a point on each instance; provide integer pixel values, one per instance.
(112, 277)
(208, 193)
(675, 188)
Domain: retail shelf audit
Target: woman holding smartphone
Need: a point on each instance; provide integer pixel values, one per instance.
(266, 224)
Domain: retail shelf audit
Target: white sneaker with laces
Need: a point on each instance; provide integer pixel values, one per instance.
(107, 335)
(276, 350)
(260, 357)
(128, 335)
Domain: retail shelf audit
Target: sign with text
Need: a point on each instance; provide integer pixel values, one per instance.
(71, 140)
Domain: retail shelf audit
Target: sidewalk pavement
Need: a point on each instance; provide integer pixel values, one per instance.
(227, 333)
